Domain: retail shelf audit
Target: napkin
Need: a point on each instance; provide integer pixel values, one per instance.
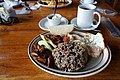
(114, 31)
(6, 11)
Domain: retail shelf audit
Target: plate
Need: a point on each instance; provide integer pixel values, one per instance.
(59, 6)
(16, 3)
(43, 24)
(94, 66)
(95, 2)
(74, 21)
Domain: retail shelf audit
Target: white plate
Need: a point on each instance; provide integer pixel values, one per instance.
(43, 24)
(94, 66)
(74, 21)
(85, 3)
(69, 2)
(16, 3)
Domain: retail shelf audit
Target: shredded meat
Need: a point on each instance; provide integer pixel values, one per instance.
(55, 38)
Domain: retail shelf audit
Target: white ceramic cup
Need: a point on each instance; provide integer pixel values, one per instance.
(54, 20)
(85, 16)
(87, 1)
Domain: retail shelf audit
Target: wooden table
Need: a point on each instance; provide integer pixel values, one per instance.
(14, 40)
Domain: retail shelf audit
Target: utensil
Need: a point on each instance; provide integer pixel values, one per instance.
(111, 27)
(106, 11)
(55, 6)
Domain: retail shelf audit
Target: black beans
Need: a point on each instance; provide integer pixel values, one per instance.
(69, 56)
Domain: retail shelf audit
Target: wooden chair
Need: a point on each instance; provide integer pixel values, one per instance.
(115, 3)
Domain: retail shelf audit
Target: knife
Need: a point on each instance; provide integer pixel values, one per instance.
(106, 11)
(111, 27)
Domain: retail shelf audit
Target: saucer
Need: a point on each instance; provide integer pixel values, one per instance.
(43, 24)
(95, 2)
(74, 21)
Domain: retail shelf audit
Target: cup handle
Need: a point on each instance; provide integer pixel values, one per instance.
(96, 25)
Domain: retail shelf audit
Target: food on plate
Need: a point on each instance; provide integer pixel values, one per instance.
(42, 49)
(56, 39)
(42, 54)
(47, 40)
(42, 42)
(46, 2)
(61, 29)
(70, 56)
(68, 51)
(66, 38)
(52, 2)
(94, 43)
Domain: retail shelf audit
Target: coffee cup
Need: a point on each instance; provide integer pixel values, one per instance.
(54, 19)
(87, 1)
(85, 16)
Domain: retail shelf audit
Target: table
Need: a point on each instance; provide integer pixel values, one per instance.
(14, 40)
